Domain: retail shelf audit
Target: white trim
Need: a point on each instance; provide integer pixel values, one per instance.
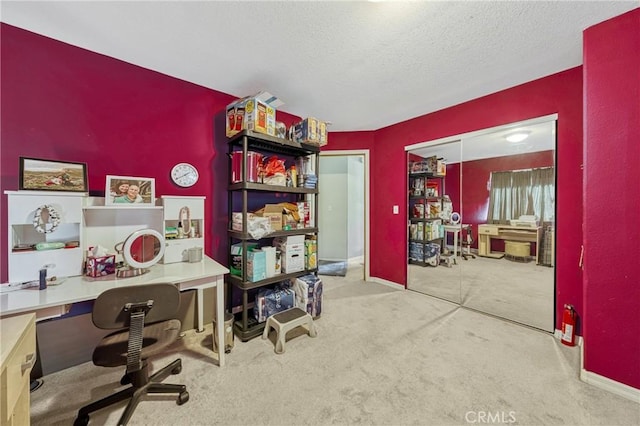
(605, 383)
(558, 335)
(388, 283)
(458, 137)
(367, 208)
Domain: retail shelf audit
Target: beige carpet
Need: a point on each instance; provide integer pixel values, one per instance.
(521, 292)
(382, 357)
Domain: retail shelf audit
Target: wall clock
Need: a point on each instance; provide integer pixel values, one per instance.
(184, 174)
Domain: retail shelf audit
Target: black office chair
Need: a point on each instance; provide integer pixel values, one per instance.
(145, 318)
(466, 241)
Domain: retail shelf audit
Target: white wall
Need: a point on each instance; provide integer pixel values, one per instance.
(355, 206)
(332, 208)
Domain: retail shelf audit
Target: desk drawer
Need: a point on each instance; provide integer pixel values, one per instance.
(488, 230)
(15, 376)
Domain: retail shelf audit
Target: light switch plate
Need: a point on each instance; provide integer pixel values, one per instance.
(396, 209)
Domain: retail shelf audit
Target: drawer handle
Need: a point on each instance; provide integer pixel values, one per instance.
(29, 363)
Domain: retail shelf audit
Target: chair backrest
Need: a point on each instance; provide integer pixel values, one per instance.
(109, 308)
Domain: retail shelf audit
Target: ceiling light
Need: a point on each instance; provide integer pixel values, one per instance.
(517, 137)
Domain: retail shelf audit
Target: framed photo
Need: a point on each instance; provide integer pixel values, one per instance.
(49, 175)
(129, 191)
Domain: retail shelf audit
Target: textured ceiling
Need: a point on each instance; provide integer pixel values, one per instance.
(360, 65)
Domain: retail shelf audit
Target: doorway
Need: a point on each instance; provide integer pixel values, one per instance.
(343, 209)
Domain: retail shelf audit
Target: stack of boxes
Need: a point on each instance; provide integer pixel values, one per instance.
(311, 131)
(256, 113)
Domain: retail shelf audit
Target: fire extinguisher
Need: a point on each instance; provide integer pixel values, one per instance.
(568, 326)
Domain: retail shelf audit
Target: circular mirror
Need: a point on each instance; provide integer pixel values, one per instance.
(455, 218)
(141, 250)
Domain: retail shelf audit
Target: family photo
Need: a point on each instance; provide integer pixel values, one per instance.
(123, 190)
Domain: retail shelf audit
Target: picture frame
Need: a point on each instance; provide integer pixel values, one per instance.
(118, 191)
(38, 174)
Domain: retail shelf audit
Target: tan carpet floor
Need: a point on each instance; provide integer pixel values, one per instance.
(382, 357)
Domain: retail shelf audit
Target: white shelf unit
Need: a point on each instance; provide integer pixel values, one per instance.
(177, 249)
(22, 207)
(109, 225)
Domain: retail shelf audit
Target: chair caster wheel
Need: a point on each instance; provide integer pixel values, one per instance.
(177, 370)
(81, 421)
(183, 397)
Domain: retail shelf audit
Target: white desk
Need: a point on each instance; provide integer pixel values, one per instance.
(455, 230)
(56, 301)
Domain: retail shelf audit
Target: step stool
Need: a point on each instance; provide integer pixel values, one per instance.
(448, 259)
(285, 321)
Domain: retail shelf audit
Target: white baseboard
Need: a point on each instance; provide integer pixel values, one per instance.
(609, 385)
(388, 283)
(558, 335)
(605, 383)
(358, 260)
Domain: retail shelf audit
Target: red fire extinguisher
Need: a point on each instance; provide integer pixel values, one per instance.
(569, 326)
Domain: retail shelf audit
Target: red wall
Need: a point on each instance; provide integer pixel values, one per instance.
(61, 102)
(612, 195)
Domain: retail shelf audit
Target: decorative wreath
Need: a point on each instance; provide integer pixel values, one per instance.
(46, 226)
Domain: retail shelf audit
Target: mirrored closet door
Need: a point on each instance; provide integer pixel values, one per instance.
(434, 194)
(499, 225)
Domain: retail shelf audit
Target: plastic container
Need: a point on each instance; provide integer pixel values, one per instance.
(254, 161)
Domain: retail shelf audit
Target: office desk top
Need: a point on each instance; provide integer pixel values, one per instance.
(82, 288)
(55, 300)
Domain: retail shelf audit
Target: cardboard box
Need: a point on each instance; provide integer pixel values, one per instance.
(274, 213)
(292, 258)
(289, 240)
(257, 113)
(100, 266)
(256, 265)
(236, 257)
(270, 257)
(307, 131)
(310, 254)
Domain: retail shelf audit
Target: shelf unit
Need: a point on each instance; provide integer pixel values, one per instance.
(109, 225)
(426, 191)
(242, 194)
(191, 208)
(23, 206)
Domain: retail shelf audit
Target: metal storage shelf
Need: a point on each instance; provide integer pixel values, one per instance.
(238, 235)
(245, 326)
(250, 285)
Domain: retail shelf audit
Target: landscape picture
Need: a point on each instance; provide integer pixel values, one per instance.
(47, 175)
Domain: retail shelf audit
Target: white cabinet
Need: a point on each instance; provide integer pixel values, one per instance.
(109, 225)
(17, 357)
(30, 226)
(183, 226)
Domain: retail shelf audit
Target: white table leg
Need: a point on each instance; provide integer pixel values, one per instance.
(200, 309)
(455, 244)
(220, 321)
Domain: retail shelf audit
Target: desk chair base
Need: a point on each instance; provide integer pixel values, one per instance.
(135, 392)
